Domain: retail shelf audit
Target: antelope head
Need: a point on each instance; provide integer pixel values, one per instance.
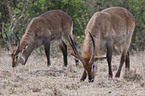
(17, 52)
(88, 63)
(17, 56)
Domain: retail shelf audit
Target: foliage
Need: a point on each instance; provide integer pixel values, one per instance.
(137, 8)
(16, 14)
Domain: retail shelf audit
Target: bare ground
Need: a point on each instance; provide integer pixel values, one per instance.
(36, 79)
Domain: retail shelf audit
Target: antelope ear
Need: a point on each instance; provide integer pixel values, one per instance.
(9, 54)
(24, 48)
(74, 55)
(99, 58)
(15, 47)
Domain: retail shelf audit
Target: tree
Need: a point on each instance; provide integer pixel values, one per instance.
(16, 14)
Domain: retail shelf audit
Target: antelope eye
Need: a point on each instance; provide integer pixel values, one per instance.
(93, 66)
(16, 57)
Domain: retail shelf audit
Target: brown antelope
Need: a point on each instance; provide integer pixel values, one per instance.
(110, 28)
(52, 25)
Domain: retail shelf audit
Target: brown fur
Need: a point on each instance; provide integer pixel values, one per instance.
(112, 27)
(114, 24)
(52, 25)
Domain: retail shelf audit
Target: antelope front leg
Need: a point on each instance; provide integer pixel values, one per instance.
(63, 48)
(109, 58)
(47, 51)
(127, 62)
(83, 76)
(121, 64)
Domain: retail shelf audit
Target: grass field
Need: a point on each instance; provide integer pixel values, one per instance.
(36, 79)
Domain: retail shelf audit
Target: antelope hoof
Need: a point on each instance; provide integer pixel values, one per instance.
(110, 76)
(82, 79)
(117, 75)
(48, 65)
(13, 66)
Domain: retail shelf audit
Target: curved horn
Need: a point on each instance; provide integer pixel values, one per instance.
(6, 39)
(18, 43)
(93, 51)
(75, 51)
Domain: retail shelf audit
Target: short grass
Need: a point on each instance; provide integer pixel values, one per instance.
(36, 79)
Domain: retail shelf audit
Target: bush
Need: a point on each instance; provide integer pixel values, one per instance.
(18, 14)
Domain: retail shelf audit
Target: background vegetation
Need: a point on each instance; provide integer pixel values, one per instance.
(16, 14)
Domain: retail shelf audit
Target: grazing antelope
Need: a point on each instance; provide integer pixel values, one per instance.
(110, 28)
(52, 25)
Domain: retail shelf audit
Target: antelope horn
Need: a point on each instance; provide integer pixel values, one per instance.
(76, 52)
(74, 55)
(93, 51)
(99, 58)
(18, 43)
(8, 40)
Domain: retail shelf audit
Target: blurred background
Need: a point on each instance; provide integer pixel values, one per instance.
(16, 14)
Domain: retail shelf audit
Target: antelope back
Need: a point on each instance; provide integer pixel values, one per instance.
(52, 24)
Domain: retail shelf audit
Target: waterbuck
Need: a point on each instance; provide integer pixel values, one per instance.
(52, 25)
(110, 28)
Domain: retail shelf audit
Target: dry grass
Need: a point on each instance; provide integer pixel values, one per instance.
(36, 79)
